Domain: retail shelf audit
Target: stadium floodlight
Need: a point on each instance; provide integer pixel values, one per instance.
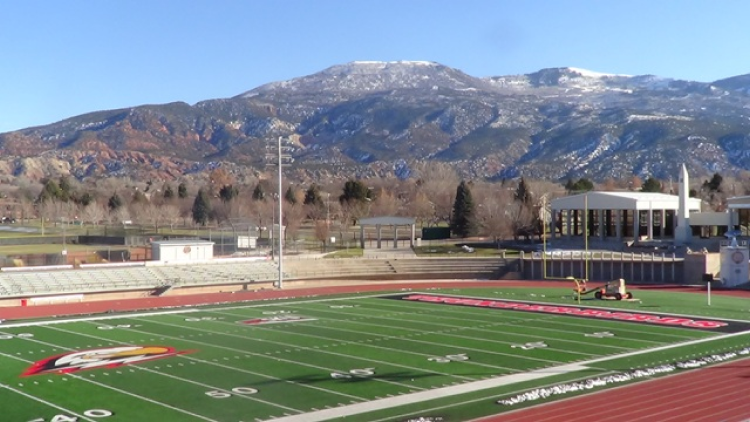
(282, 159)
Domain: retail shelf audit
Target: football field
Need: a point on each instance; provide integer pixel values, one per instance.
(446, 355)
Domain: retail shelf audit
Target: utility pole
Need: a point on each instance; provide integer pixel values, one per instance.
(281, 220)
(281, 160)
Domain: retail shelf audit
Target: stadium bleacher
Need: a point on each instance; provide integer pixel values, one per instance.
(161, 277)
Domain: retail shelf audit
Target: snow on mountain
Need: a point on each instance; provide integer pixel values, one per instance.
(364, 77)
(577, 79)
(591, 74)
(365, 116)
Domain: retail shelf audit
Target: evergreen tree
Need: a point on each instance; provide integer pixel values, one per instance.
(201, 208)
(463, 221)
(581, 185)
(86, 199)
(523, 194)
(290, 196)
(228, 192)
(714, 185)
(355, 191)
(114, 202)
(651, 185)
(50, 191)
(168, 192)
(182, 191)
(312, 196)
(258, 193)
(139, 197)
(66, 190)
(569, 185)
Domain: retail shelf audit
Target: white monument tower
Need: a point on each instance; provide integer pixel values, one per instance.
(682, 233)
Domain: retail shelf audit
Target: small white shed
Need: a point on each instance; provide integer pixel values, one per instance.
(182, 250)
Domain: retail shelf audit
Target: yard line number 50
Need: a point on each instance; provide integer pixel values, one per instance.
(218, 394)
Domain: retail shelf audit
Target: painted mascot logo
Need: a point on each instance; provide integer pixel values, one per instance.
(106, 357)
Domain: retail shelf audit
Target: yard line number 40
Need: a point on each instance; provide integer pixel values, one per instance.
(93, 413)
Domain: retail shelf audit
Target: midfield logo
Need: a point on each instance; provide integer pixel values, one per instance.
(106, 357)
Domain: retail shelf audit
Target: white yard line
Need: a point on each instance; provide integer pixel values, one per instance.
(127, 393)
(406, 399)
(364, 344)
(411, 387)
(447, 333)
(141, 368)
(67, 412)
(232, 368)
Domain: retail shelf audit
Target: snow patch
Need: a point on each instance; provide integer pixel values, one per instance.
(592, 74)
(642, 117)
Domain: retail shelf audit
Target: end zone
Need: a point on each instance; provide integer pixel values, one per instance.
(716, 325)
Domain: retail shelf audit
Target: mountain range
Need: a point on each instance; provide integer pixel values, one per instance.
(379, 118)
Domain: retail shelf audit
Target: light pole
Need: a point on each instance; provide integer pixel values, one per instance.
(278, 160)
(281, 255)
(64, 245)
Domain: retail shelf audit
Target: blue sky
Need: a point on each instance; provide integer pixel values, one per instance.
(59, 59)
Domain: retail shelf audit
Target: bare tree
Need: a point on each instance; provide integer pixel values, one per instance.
(438, 182)
(171, 214)
(294, 214)
(264, 213)
(149, 213)
(385, 203)
(28, 210)
(743, 181)
(521, 216)
(93, 213)
(344, 220)
(421, 208)
(494, 217)
(358, 209)
(322, 232)
(222, 210)
(48, 211)
(121, 215)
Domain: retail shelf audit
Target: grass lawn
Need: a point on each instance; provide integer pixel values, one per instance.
(301, 359)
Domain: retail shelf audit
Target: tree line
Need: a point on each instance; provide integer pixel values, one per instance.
(434, 195)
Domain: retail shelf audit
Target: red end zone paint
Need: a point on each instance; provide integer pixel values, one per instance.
(667, 320)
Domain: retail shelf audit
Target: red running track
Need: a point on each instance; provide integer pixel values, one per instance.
(103, 306)
(710, 394)
(95, 307)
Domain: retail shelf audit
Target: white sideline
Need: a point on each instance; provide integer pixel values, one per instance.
(96, 318)
(354, 409)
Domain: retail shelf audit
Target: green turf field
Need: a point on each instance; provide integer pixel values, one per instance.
(365, 357)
